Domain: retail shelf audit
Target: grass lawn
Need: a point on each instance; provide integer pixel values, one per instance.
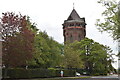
(60, 78)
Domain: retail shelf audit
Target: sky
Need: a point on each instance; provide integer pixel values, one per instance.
(49, 16)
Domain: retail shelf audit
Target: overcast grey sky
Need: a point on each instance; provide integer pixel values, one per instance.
(49, 15)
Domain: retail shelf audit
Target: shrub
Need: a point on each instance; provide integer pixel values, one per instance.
(68, 73)
(36, 73)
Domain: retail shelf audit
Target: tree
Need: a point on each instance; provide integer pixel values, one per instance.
(111, 22)
(32, 26)
(17, 40)
(96, 57)
(72, 57)
(47, 51)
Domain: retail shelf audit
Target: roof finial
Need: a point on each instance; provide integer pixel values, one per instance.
(73, 6)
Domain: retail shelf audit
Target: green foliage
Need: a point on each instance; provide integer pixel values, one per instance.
(111, 22)
(71, 57)
(92, 56)
(69, 73)
(47, 51)
(21, 38)
(96, 56)
(36, 73)
(29, 73)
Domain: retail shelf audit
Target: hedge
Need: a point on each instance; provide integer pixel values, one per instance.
(67, 73)
(35, 73)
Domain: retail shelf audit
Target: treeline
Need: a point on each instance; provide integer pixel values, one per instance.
(25, 46)
(89, 55)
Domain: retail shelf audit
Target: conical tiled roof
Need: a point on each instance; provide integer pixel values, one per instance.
(74, 15)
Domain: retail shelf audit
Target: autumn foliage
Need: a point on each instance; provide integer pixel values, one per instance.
(17, 40)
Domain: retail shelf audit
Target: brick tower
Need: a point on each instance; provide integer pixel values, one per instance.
(74, 28)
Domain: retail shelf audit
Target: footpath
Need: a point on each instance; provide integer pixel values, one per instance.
(112, 77)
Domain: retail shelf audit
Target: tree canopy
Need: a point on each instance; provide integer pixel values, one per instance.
(72, 57)
(47, 51)
(89, 55)
(111, 23)
(17, 40)
(24, 43)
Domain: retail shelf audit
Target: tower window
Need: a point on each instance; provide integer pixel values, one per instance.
(77, 24)
(71, 24)
(66, 33)
(71, 38)
(79, 38)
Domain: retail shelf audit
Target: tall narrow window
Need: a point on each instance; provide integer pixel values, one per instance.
(71, 38)
(79, 38)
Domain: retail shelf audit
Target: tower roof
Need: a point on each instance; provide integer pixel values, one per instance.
(74, 18)
(74, 15)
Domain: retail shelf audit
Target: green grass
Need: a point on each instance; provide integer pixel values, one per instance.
(60, 78)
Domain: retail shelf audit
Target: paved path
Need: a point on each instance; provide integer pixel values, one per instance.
(113, 77)
(99, 79)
